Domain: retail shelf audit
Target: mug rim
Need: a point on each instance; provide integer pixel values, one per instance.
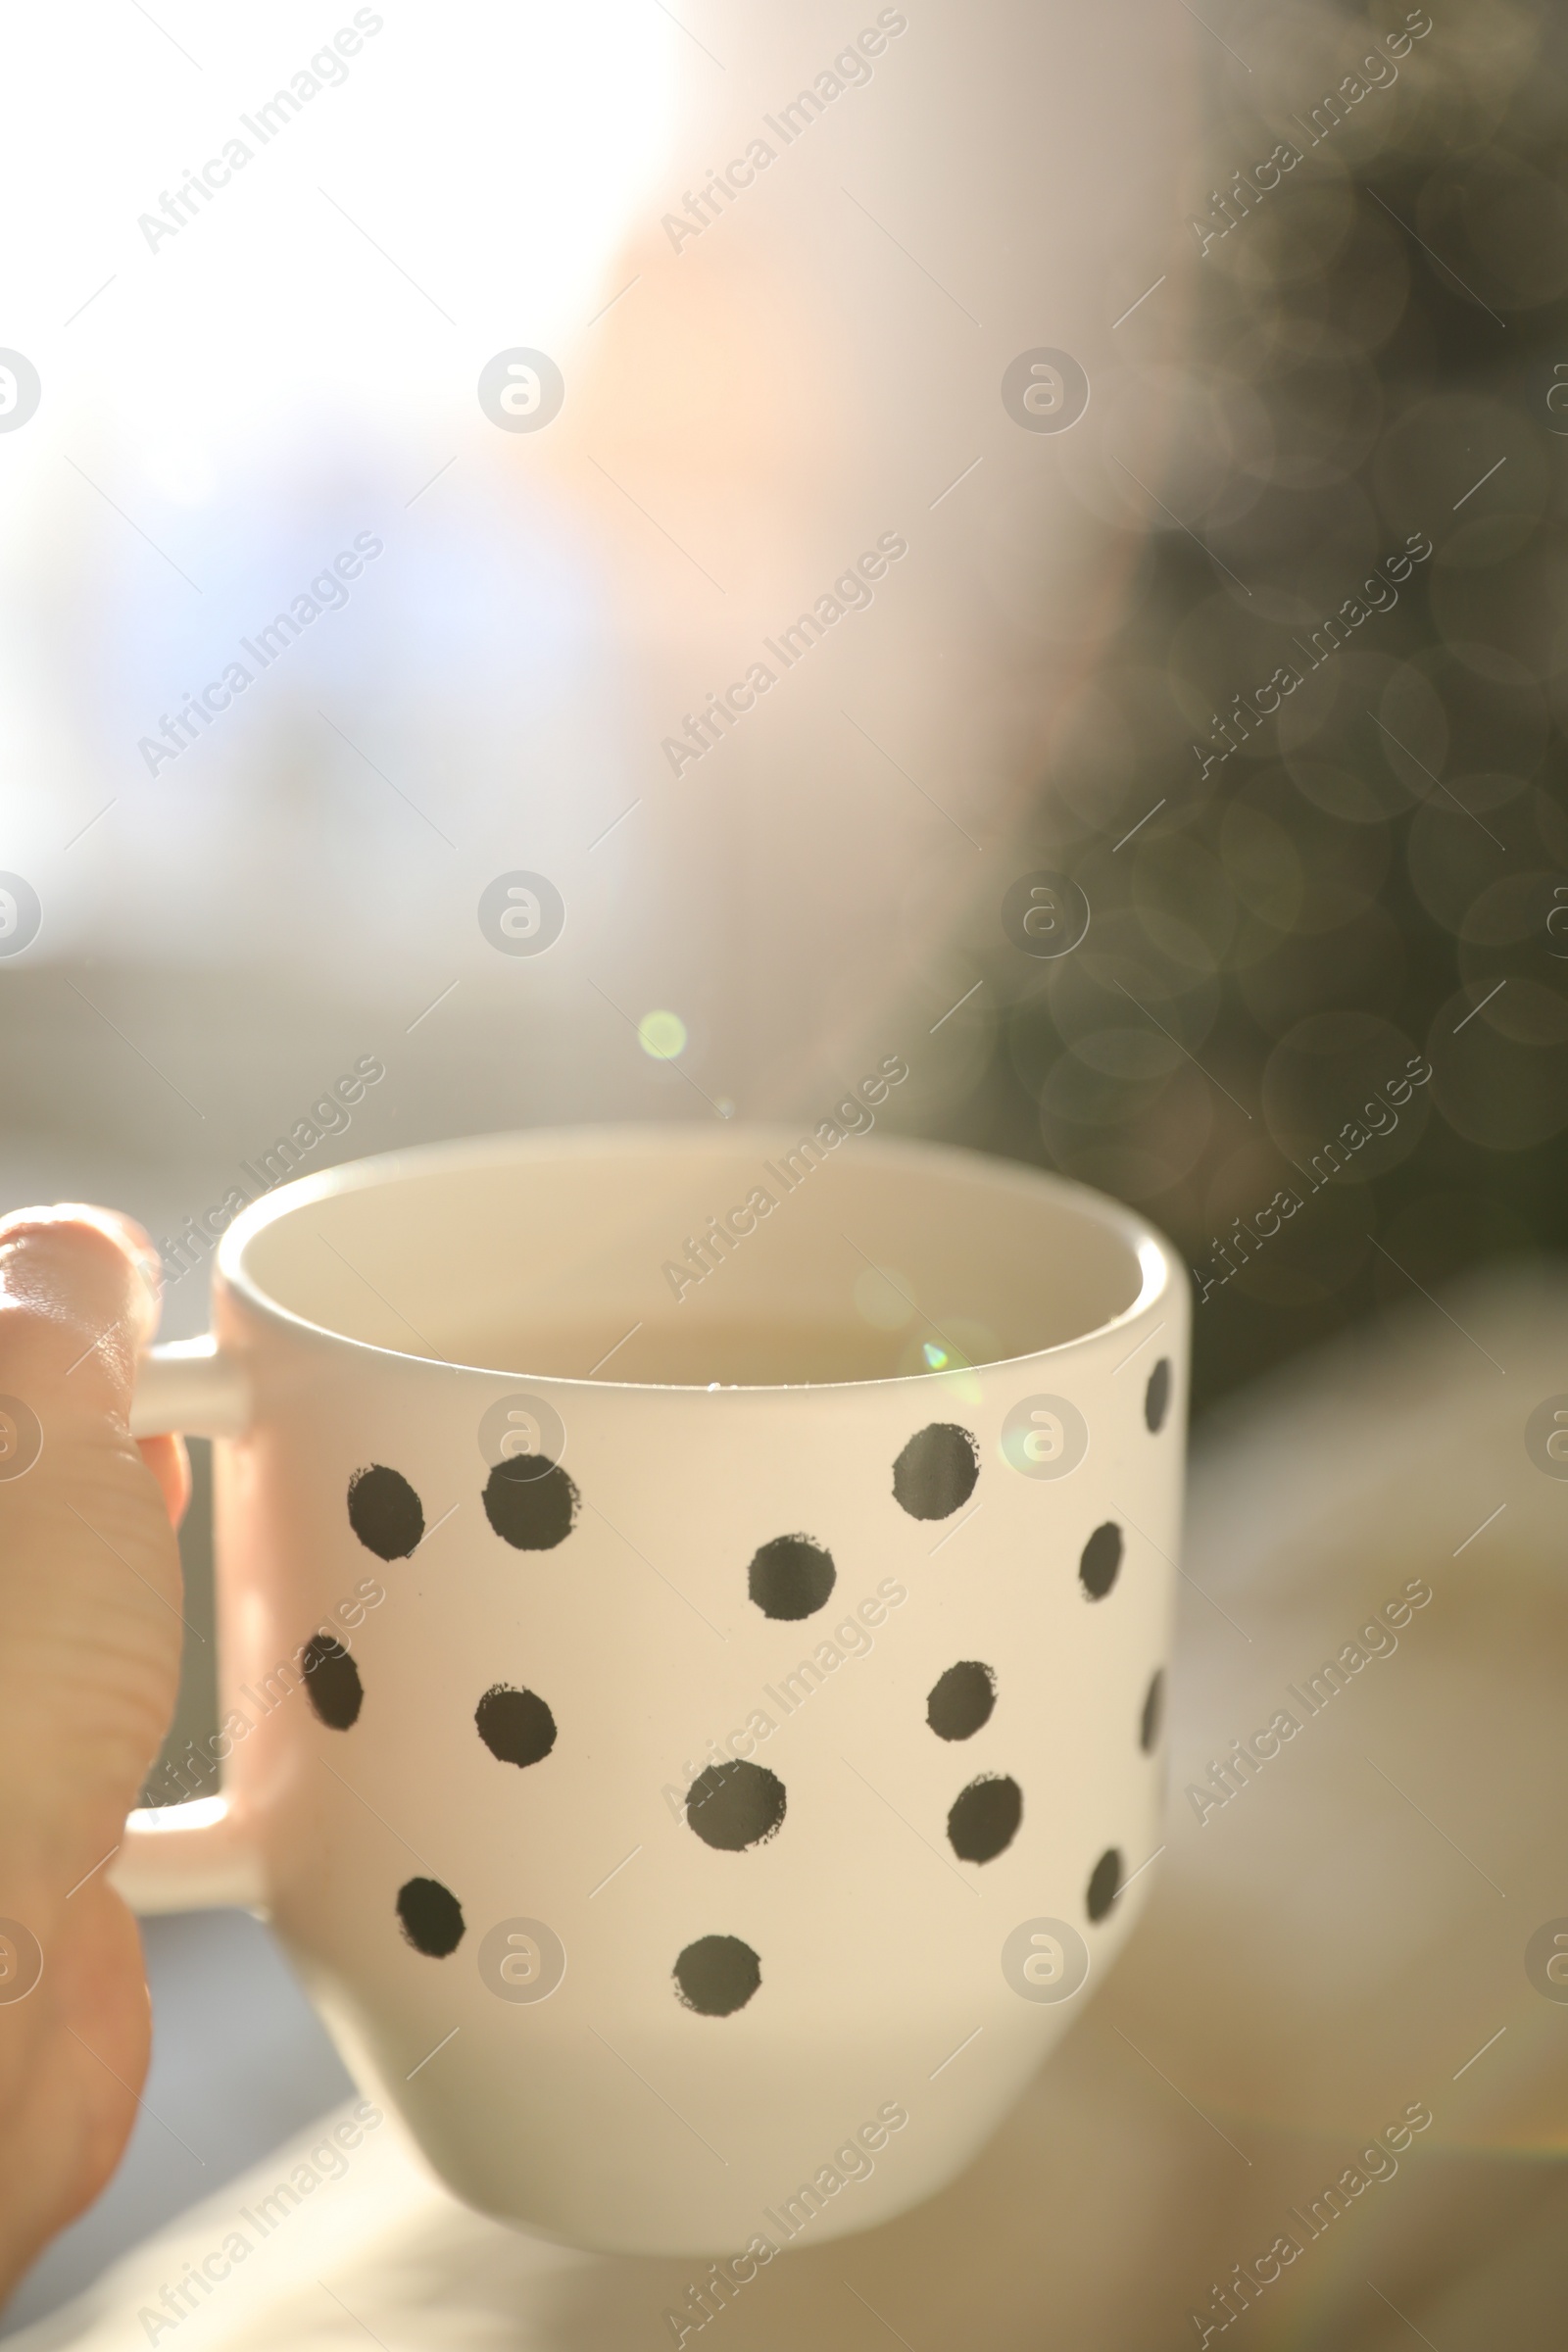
(1145, 1245)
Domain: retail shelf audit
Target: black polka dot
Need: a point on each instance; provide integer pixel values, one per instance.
(960, 1700)
(1101, 1558)
(1154, 1713)
(384, 1512)
(734, 1805)
(516, 1726)
(530, 1508)
(1157, 1397)
(791, 1577)
(935, 1471)
(1105, 1883)
(431, 1917)
(985, 1816)
(718, 1975)
(333, 1681)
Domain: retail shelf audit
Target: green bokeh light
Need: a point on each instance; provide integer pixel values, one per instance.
(662, 1035)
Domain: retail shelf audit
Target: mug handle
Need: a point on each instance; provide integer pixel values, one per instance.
(190, 1856)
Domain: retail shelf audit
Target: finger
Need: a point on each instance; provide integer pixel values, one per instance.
(165, 1456)
(90, 1598)
(170, 1463)
(79, 1301)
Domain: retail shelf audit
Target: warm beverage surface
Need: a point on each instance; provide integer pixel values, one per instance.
(732, 1354)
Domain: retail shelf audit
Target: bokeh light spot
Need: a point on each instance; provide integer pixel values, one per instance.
(661, 1036)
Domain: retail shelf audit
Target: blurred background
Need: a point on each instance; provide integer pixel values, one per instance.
(1377, 350)
(1298, 899)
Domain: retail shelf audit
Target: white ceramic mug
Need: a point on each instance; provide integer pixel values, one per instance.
(692, 1609)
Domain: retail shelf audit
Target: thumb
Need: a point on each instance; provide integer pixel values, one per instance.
(90, 1619)
(91, 1278)
(77, 1303)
